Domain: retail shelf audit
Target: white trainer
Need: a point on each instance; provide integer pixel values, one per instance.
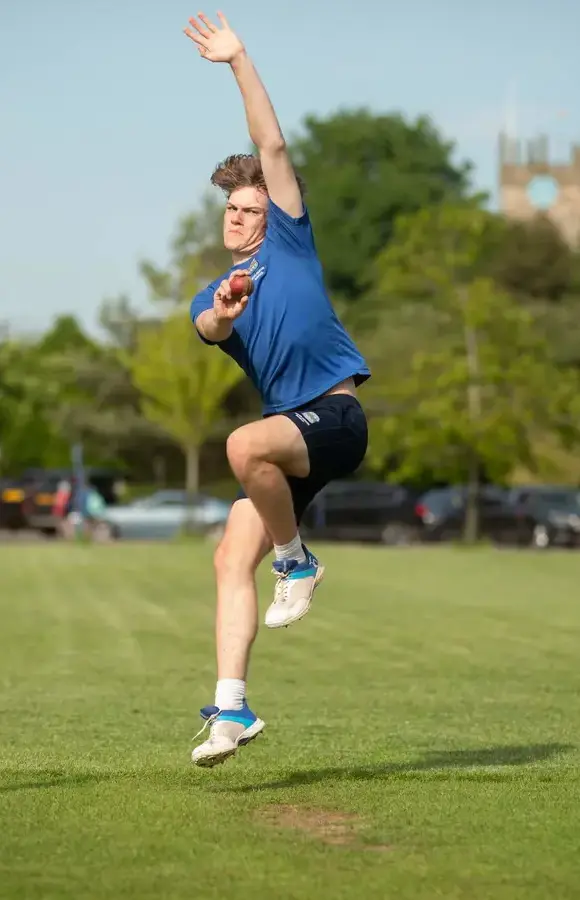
(229, 729)
(295, 585)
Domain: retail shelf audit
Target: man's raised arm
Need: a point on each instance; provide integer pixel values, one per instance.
(220, 44)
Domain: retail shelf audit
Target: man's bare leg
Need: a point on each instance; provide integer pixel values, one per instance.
(261, 455)
(240, 552)
(244, 545)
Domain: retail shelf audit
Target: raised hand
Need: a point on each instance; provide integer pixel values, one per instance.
(216, 43)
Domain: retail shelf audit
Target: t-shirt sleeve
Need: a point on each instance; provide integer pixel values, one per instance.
(293, 234)
(201, 302)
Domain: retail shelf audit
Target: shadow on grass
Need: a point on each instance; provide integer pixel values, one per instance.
(49, 778)
(456, 764)
(437, 762)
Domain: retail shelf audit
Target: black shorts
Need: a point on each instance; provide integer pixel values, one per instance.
(335, 431)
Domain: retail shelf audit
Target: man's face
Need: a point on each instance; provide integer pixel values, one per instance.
(245, 221)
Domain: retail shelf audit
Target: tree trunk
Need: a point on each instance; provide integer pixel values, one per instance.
(192, 470)
(471, 530)
(191, 483)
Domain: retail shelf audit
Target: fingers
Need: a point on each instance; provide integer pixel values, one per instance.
(202, 31)
(209, 25)
(223, 20)
(224, 291)
(229, 309)
(196, 38)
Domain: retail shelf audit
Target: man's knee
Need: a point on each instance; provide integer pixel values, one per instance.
(242, 449)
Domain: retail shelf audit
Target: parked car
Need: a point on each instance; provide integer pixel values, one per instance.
(537, 516)
(556, 511)
(13, 497)
(12, 494)
(38, 504)
(365, 511)
(163, 515)
(443, 516)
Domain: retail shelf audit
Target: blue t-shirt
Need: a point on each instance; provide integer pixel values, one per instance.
(288, 340)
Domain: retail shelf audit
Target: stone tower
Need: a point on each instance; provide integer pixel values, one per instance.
(530, 184)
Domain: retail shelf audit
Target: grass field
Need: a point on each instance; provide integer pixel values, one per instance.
(423, 730)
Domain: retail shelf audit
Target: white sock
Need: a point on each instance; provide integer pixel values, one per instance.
(293, 550)
(230, 693)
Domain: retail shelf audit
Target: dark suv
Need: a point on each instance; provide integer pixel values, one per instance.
(13, 495)
(443, 515)
(363, 511)
(556, 513)
(537, 516)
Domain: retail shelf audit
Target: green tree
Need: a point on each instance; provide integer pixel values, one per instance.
(183, 384)
(30, 394)
(361, 172)
(197, 256)
(533, 260)
(65, 335)
(475, 400)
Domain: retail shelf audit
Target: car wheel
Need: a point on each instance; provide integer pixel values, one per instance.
(540, 537)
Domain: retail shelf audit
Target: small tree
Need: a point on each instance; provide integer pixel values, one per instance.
(197, 256)
(474, 400)
(533, 260)
(183, 384)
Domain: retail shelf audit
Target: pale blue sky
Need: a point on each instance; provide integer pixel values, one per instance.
(111, 123)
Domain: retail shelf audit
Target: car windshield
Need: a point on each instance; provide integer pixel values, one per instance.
(564, 501)
(439, 500)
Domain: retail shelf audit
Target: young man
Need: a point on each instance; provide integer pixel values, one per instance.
(288, 340)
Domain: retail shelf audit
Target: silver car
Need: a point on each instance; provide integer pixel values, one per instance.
(164, 515)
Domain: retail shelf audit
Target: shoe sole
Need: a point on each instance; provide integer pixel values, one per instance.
(317, 579)
(208, 762)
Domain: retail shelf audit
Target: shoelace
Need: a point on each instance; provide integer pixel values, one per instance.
(207, 722)
(282, 586)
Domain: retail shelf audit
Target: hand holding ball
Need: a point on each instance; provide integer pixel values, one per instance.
(241, 286)
(231, 297)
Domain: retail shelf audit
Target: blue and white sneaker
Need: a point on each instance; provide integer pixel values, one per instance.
(295, 585)
(229, 729)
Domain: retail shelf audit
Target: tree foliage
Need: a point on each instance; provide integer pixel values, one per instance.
(197, 256)
(471, 324)
(183, 384)
(474, 401)
(533, 260)
(362, 171)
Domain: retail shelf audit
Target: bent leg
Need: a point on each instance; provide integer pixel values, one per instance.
(261, 455)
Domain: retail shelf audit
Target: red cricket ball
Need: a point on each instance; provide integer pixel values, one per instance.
(241, 285)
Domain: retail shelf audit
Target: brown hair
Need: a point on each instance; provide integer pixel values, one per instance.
(242, 170)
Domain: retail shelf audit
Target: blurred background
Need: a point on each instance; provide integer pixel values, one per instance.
(440, 150)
